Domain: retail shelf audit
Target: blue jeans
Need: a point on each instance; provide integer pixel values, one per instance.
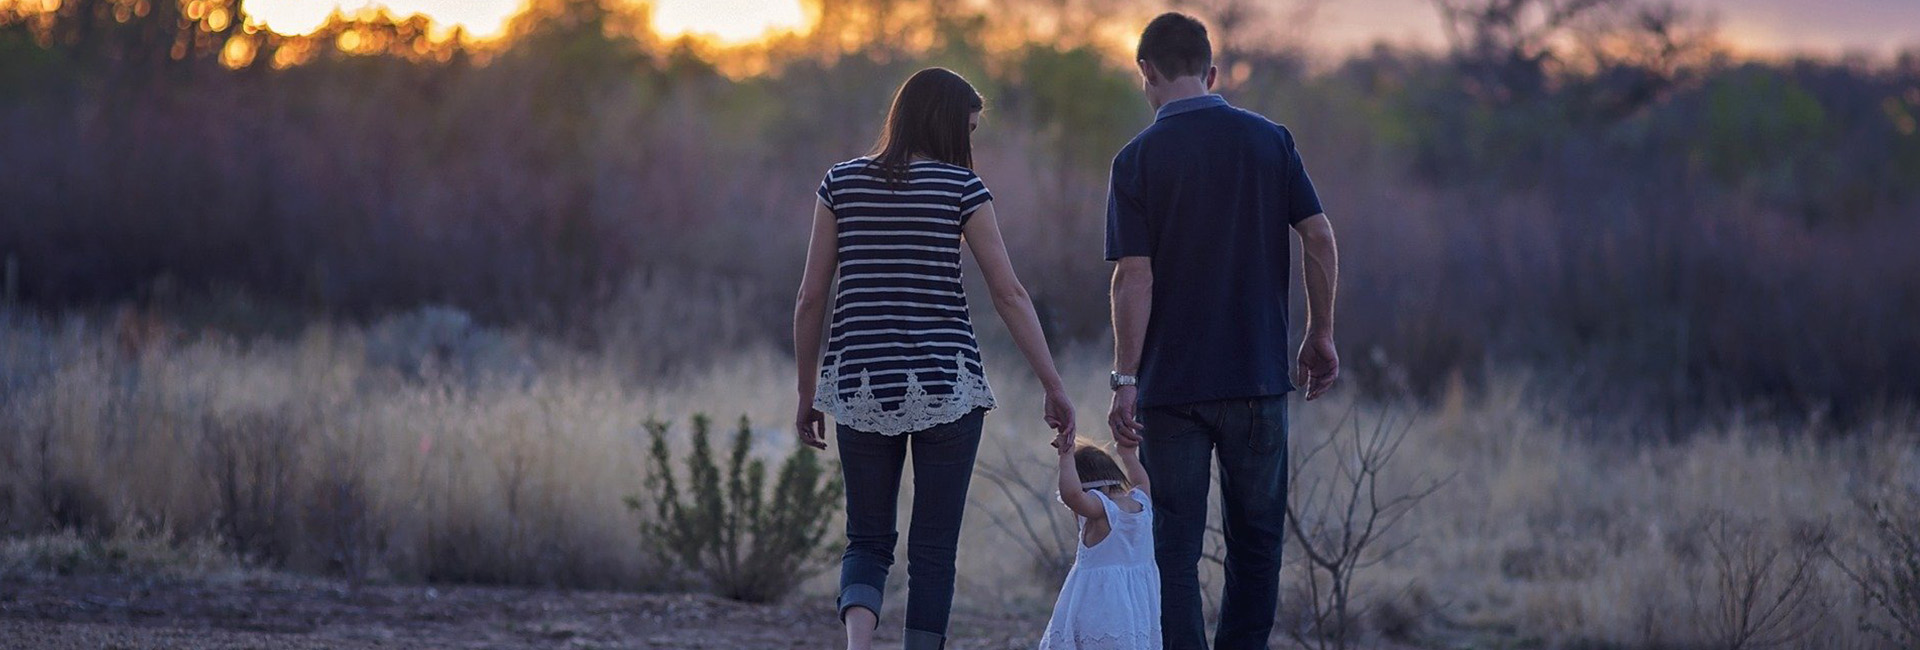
(871, 464)
(1249, 436)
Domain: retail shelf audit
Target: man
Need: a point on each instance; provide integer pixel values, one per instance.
(1197, 218)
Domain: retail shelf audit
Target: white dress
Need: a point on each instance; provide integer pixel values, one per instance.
(1111, 599)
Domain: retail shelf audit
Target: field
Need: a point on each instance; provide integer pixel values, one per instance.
(427, 450)
(239, 610)
(364, 335)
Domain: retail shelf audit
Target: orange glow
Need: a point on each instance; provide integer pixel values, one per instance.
(725, 20)
(238, 53)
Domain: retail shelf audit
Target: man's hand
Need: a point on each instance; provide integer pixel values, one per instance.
(1123, 419)
(1319, 365)
(811, 425)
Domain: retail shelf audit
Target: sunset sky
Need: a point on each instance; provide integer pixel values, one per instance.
(728, 19)
(1765, 26)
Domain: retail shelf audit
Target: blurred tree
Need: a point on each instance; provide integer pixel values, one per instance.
(1515, 51)
(1249, 33)
(1758, 120)
(1087, 108)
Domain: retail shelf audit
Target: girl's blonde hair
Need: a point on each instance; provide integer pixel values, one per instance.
(1095, 464)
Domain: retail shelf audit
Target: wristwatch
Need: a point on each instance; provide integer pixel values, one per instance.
(1116, 380)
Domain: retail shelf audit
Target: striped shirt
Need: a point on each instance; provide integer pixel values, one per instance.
(901, 354)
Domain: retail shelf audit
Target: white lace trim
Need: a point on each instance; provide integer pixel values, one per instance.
(917, 411)
(1126, 640)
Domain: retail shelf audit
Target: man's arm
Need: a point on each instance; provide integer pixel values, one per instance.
(1319, 363)
(1132, 303)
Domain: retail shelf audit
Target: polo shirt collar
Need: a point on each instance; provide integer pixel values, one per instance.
(1188, 105)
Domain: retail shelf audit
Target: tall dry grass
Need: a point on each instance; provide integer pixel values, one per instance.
(425, 448)
(431, 454)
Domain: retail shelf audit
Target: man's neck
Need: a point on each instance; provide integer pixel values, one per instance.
(1184, 88)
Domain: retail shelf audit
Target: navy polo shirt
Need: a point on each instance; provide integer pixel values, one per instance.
(1210, 193)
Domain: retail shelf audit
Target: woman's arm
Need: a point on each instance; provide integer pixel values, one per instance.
(1015, 306)
(1136, 472)
(1076, 498)
(809, 314)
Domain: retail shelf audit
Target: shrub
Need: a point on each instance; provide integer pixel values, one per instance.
(1762, 592)
(748, 545)
(1887, 571)
(1028, 520)
(1341, 519)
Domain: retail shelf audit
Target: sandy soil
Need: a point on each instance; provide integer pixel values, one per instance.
(127, 612)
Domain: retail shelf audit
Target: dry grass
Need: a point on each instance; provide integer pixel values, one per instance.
(507, 462)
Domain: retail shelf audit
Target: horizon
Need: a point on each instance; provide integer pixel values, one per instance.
(1759, 28)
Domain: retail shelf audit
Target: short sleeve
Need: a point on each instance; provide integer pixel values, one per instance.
(826, 190)
(1129, 231)
(973, 195)
(1106, 504)
(1302, 201)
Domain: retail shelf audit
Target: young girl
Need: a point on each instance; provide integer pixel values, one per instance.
(1111, 600)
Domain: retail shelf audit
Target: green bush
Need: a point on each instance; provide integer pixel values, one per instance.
(745, 543)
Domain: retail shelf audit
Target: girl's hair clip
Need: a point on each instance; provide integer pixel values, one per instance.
(1094, 485)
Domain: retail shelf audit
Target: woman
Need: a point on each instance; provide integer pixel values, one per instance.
(902, 369)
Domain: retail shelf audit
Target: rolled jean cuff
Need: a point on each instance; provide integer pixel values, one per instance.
(922, 640)
(857, 595)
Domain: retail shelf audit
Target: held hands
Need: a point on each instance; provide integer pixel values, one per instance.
(1123, 419)
(1059, 413)
(1319, 365)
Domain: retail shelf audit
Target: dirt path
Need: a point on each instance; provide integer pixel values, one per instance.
(126, 612)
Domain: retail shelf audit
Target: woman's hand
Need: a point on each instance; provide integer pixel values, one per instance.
(811, 424)
(1063, 443)
(1060, 412)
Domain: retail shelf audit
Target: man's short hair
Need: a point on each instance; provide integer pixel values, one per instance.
(1176, 45)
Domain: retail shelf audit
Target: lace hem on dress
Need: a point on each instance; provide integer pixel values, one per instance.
(917, 411)
(1129, 640)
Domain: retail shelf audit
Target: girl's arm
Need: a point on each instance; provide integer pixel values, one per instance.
(809, 313)
(1015, 306)
(1136, 472)
(1077, 499)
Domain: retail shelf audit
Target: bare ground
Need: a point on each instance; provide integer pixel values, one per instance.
(118, 611)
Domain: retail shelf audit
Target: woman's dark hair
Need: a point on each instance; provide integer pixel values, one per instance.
(1176, 45)
(1095, 464)
(928, 118)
